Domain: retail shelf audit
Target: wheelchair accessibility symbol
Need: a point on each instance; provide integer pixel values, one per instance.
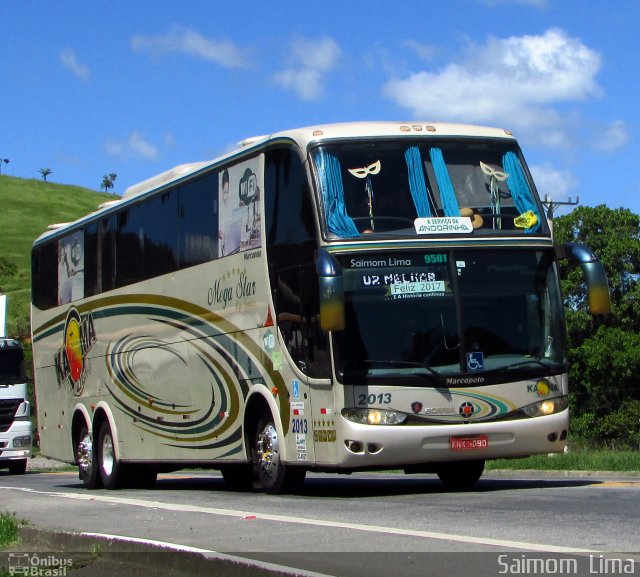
(475, 361)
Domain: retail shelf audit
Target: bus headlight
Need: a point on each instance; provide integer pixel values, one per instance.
(546, 407)
(374, 416)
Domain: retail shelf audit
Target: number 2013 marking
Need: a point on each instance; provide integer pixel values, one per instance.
(300, 426)
(372, 399)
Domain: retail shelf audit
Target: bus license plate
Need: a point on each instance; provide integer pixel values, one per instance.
(469, 443)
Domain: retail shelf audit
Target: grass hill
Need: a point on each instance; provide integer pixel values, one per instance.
(27, 207)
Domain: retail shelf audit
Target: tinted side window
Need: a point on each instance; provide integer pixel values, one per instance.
(198, 221)
(129, 242)
(92, 260)
(291, 247)
(107, 240)
(160, 248)
(289, 218)
(44, 275)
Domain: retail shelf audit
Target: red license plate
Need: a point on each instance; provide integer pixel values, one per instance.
(475, 443)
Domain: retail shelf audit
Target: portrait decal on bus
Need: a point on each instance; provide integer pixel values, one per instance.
(239, 207)
(71, 268)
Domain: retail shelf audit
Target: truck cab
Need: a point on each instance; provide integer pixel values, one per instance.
(16, 434)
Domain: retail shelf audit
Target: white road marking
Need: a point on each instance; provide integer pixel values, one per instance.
(152, 542)
(311, 522)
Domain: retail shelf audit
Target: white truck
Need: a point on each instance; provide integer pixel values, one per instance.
(16, 431)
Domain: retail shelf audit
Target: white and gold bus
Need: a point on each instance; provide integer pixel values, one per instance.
(337, 298)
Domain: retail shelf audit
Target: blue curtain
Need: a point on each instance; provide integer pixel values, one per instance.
(520, 191)
(447, 194)
(338, 221)
(417, 183)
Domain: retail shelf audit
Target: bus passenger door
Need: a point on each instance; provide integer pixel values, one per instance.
(311, 386)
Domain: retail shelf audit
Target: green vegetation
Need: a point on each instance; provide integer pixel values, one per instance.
(8, 530)
(575, 460)
(27, 207)
(604, 351)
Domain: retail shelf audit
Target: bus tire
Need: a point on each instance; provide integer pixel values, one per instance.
(112, 472)
(271, 473)
(461, 474)
(18, 467)
(238, 477)
(87, 460)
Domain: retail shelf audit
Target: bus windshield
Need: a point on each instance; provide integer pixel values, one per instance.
(447, 316)
(408, 188)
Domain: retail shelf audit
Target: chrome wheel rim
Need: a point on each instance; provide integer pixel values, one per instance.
(268, 451)
(107, 455)
(85, 455)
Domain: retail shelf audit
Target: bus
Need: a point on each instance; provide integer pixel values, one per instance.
(336, 298)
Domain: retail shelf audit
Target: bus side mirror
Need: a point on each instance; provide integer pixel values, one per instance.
(331, 292)
(596, 278)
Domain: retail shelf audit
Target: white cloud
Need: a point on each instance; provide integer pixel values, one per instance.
(614, 137)
(134, 146)
(553, 183)
(320, 55)
(70, 61)
(423, 51)
(306, 83)
(312, 60)
(513, 81)
(187, 41)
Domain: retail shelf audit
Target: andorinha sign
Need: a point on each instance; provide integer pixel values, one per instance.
(444, 225)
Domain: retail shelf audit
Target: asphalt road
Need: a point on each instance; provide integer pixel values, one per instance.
(373, 524)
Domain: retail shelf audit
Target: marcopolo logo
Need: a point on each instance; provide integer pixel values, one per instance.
(79, 336)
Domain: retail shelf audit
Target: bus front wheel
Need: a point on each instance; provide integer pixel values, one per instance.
(460, 474)
(270, 471)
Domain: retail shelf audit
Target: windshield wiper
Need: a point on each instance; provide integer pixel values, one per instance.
(400, 364)
(551, 367)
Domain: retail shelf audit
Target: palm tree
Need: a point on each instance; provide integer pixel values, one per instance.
(5, 160)
(45, 172)
(107, 181)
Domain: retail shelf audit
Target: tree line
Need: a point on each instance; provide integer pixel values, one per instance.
(604, 351)
(107, 183)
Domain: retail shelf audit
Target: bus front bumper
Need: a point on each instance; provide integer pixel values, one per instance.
(371, 446)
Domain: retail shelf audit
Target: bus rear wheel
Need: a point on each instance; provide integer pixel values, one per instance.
(86, 460)
(461, 474)
(111, 471)
(270, 471)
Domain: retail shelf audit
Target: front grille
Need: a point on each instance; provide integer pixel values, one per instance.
(8, 408)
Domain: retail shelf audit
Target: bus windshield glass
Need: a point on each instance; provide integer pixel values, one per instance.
(414, 188)
(445, 316)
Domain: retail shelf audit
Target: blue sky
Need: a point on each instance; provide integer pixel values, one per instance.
(136, 87)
